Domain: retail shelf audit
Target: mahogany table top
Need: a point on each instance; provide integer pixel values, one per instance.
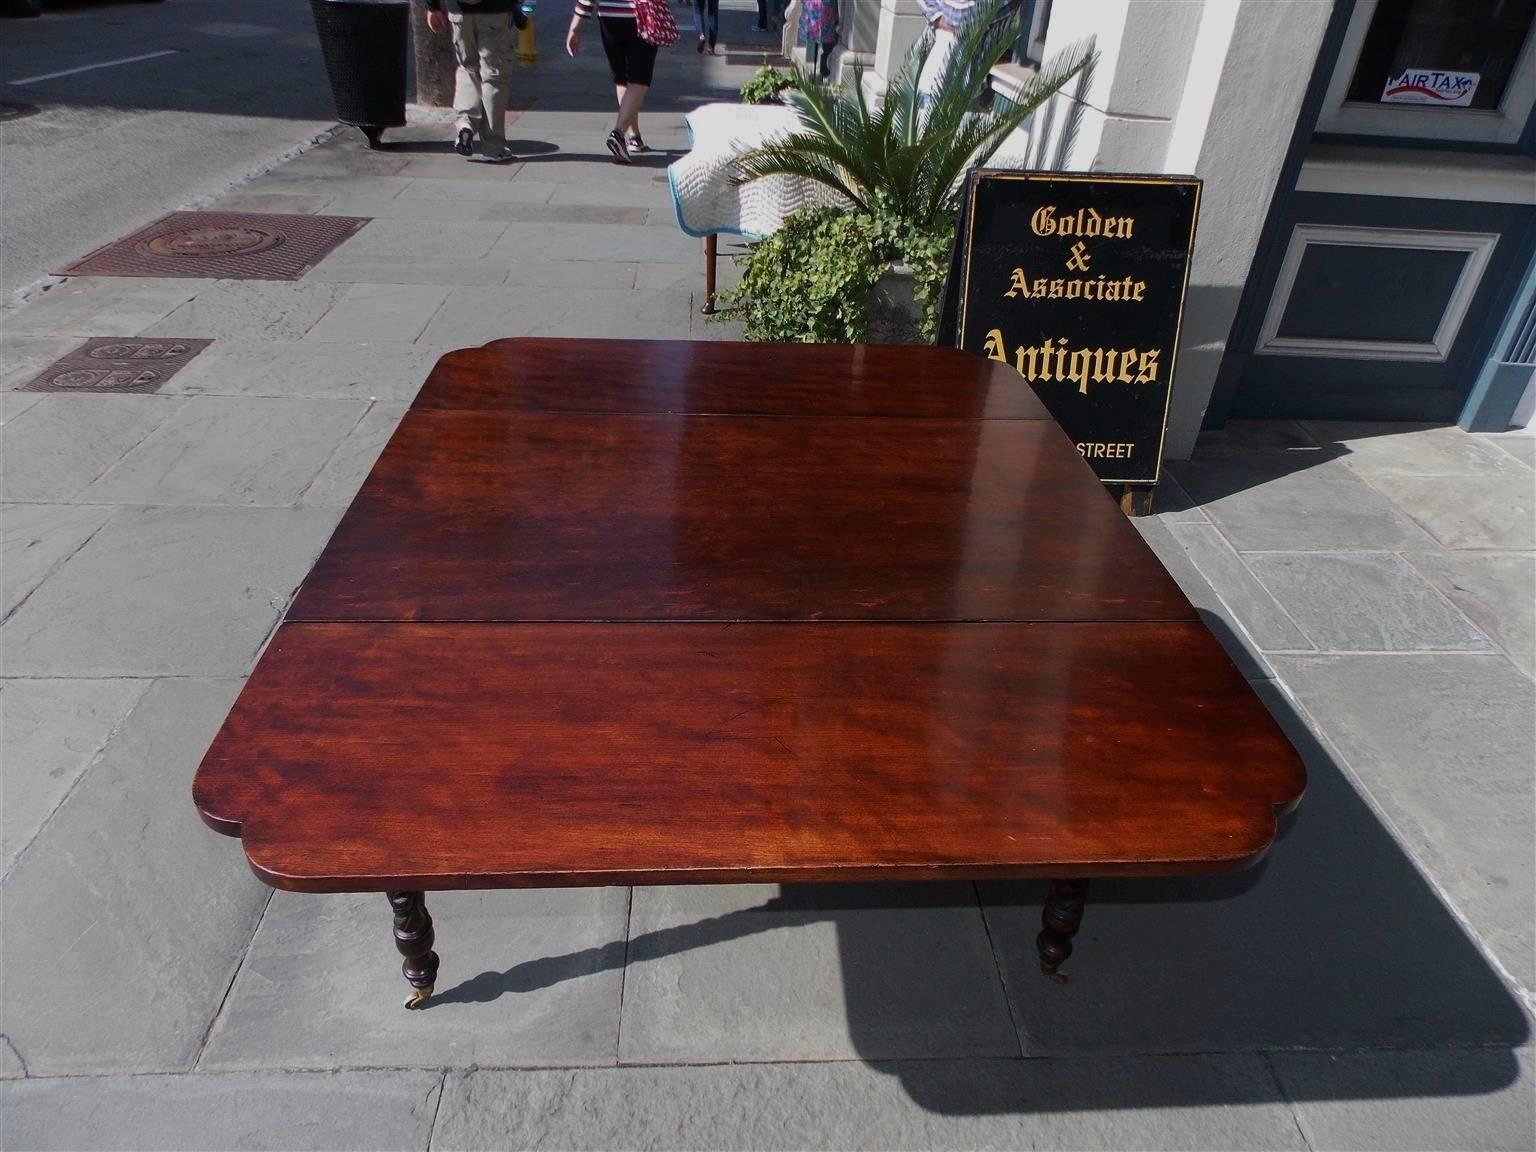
(617, 612)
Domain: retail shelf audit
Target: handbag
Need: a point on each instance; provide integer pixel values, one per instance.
(654, 23)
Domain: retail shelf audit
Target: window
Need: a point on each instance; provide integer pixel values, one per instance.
(1459, 71)
(1470, 45)
(1034, 19)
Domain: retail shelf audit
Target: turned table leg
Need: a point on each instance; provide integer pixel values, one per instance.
(1062, 917)
(414, 938)
(711, 258)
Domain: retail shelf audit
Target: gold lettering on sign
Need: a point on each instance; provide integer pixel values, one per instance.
(1078, 260)
(1106, 449)
(1084, 222)
(1100, 287)
(1053, 362)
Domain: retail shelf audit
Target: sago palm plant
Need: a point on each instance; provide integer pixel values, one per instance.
(905, 158)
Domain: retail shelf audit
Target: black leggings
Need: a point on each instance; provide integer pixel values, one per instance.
(630, 59)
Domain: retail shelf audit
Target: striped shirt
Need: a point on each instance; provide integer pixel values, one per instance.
(612, 9)
(955, 12)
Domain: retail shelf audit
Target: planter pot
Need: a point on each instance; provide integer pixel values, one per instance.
(364, 45)
(894, 315)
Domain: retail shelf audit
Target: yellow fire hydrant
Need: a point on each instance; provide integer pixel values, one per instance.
(527, 49)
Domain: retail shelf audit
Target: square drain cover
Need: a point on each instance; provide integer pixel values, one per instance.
(221, 246)
(117, 364)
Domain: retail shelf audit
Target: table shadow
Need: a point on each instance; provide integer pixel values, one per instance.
(1335, 942)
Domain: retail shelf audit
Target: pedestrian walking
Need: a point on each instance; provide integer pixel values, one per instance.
(706, 21)
(769, 14)
(631, 61)
(819, 33)
(484, 36)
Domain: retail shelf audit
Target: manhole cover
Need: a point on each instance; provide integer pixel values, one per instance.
(115, 364)
(222, 245)
(16, 111)
(211, 242)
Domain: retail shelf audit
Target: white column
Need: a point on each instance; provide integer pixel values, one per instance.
(901, 26)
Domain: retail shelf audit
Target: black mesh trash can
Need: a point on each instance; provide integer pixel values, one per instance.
(365, 43)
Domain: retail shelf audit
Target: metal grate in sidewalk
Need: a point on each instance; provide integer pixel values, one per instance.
(117, 365)
(222, 245)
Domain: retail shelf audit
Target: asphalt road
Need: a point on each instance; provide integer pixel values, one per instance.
(226, 87)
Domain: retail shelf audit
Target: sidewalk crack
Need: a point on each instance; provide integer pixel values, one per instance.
(618, 1031)
(997, 966)
(1285, 1099)
(202, 1048)
(16, 1052)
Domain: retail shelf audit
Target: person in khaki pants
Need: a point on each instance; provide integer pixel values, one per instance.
(484, 35)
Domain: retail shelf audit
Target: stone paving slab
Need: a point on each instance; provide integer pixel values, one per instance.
(1217, 615)
(1266, 620)
(373, 270)
(1335, 940)
(13, 404)
(443, 239)
(1497, 592)
(652, 193)
(279, 203)
(23, 357)
(135, 922)
(386, 371)
(473, 316)
(167, 592)
(1195, 1102)
(1399, 449)
(572, 274)
(1443, 744)
(35, 539)
(103, 306)
(1294, 502)
(60, 444)
(234, 450)
(279, 183)
(559, 213)
(272, 1110)
(446, 164)
(349, 466)
(526, 978)
(372, 312)
(753, 972)
(1473, 1098)
(386, 207)
(251, 311)
(11, 1067)
(1241, 437)
(1365, 602)
(50, 732)
(596, 242)
(467, 196)
(1492, 511)
(1520, 445)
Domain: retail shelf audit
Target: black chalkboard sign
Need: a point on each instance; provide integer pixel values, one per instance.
(1077, 280)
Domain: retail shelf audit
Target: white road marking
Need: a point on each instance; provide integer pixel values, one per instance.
(93, 67)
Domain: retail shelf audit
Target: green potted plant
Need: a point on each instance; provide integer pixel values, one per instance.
(896, 169)
(766, 86)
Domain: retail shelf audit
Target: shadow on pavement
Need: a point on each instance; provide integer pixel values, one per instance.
(1334, 942)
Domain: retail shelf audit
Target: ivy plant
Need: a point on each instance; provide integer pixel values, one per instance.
(766, 86)
(809, 281)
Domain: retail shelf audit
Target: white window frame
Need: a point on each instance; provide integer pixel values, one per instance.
(1503, 125)
(1477, 245)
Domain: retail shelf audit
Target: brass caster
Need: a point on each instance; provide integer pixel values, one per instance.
(418, 997)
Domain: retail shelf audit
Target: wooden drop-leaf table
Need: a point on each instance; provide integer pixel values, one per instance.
(623, 612)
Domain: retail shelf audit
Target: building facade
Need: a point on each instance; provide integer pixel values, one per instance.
(1367, 238)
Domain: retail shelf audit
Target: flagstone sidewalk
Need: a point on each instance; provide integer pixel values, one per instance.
(1369, 986)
